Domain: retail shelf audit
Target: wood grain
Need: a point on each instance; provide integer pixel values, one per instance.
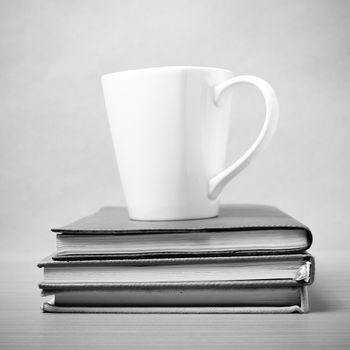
(22, 325)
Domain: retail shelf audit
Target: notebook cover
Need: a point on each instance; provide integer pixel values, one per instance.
(302, 308)
(115, 220)
(232, 218)
(51, 307)
(168, 288)
(306, 277)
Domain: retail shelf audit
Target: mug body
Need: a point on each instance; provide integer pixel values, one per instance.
(169, 139)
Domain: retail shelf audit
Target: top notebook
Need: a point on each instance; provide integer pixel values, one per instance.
(239, 227)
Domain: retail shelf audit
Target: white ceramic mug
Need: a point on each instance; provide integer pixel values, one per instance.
(170, 131)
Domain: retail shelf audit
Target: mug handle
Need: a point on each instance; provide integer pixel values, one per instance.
(219, 181)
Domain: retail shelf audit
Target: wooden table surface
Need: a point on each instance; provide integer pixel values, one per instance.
(327, 326)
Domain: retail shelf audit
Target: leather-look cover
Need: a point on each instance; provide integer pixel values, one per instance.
(232, 218)
(115, 220)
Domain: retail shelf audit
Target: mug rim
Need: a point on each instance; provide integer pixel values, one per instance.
(108, 75)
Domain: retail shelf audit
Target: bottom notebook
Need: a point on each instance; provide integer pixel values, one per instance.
(241, 300)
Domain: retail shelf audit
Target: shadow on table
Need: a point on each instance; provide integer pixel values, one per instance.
(320, 301)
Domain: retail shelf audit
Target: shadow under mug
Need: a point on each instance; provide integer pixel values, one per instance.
(170, 128)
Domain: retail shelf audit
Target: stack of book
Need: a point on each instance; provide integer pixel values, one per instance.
(249, 259)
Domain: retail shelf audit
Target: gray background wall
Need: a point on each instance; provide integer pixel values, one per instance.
(57, 160)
